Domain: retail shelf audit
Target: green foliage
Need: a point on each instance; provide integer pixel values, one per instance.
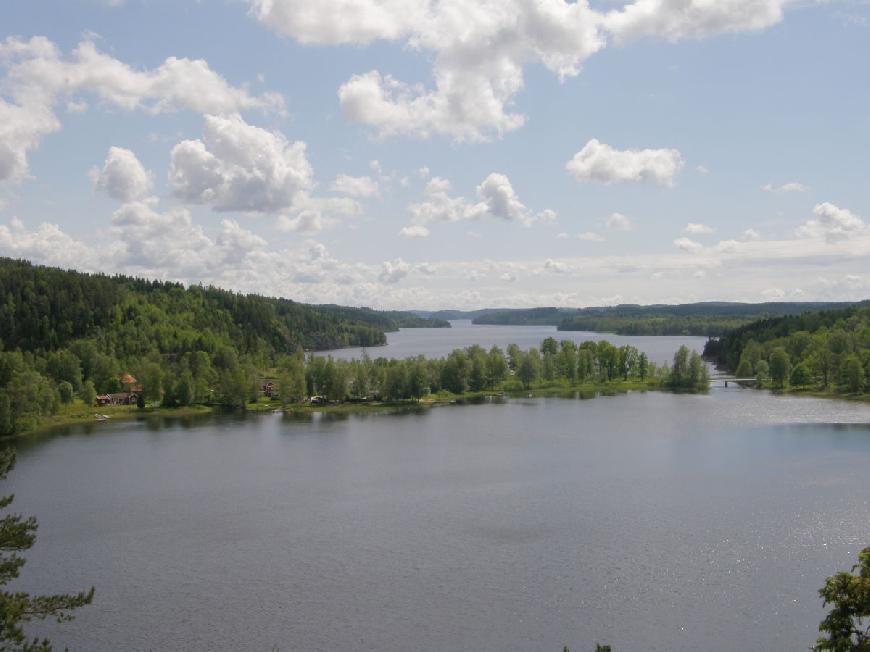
(688, 373)
(17, 534)
(820, 350)
(184, 345)
(705, 318)
(847, 628)
(762, 372)
(800, 375)
(780, 367)
(65, 392)
(88, 393)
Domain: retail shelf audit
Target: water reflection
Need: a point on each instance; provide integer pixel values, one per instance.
(499, 523)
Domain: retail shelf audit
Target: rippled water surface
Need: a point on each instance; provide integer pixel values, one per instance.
(438, 342)
(650, 521)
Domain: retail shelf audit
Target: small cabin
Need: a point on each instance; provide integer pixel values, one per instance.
(118, 398)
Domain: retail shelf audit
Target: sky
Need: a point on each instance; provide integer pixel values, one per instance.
(430, 154)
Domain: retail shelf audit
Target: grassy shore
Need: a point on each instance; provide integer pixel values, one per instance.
(77, 413)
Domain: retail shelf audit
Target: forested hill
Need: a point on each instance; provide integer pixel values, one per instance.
(705, 318)
(42, 309)
(826, 350)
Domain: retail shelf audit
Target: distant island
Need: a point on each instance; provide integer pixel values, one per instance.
(709, 318)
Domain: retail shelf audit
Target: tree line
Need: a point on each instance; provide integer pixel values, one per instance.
(826, 351)
(711, 318)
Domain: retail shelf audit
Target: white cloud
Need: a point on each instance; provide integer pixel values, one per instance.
(151, 242)
(590, 236)
(688, 245)
(394, 271)
(618, 222)
(122, 176)
(751, 235)
(480, 50)
(693, 228)
(498, 194)
(702, 169)
(479, 54)
(791, 186)
(38, 75)
(340, 21)
(355, 186)
(547, 216)
(832, 223)
(556, 266)
(414, 231)
(240, 167)
(47, 244)
(598, 161)
(496, 198)
(305, 221)
(680, 19)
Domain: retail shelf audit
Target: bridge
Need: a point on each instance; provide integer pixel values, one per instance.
(730, 379)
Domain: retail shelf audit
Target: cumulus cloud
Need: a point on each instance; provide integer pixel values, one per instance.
(556, 267)
(240, 167)
(694, 228)
(832, 223)
(687, 245)
(47, 244)
(479, 54)
(547, 216)
(480, 50)
(414, 231)
(751, 235)
(618, 222)
(496, 197)
(364, 187)
(598, 161)
(305, 221)
(38, 75)
(501, 200)
(674, 20)
(791, 186)
(394, 271)
(122, 176)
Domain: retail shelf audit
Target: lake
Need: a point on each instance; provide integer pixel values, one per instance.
(651, 521)
(438, 342)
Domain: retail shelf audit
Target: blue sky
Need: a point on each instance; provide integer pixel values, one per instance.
(414, 154)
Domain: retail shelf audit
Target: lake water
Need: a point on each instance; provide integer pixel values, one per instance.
(650, 521)
(438, 342)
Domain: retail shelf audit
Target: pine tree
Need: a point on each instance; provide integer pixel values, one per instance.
(18, 533)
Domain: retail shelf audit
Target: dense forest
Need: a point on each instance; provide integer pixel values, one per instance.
(65, 334)
(826, 351)
(706, 318)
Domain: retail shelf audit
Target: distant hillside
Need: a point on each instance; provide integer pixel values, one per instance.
(43, 308)
(705, 318)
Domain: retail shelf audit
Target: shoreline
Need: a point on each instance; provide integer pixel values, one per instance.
(80, 415)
